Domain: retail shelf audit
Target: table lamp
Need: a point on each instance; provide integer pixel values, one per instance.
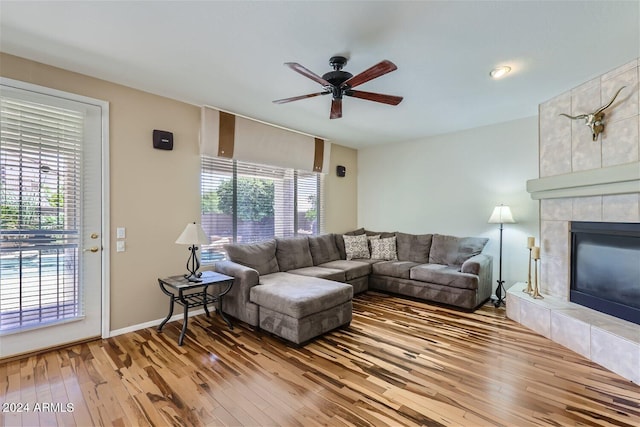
(193, 235)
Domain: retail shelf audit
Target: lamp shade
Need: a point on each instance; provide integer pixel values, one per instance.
(193, 234)
(501, 215)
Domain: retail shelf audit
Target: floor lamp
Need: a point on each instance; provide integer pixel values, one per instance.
(501, 215)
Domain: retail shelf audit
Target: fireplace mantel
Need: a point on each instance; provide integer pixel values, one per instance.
(619, 179)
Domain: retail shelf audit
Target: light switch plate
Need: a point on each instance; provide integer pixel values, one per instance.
(120, 246)
(120, 233)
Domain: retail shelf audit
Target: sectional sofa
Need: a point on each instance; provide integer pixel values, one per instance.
(301, 287)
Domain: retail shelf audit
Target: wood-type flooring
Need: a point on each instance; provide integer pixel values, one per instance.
(399, 363)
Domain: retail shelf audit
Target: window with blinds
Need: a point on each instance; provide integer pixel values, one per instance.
(40, 196)
(246, 203)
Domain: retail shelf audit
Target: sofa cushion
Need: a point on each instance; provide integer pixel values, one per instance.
(321, 272)
(382, 234)
(454, 251)
(259, 256)
(340, 240)
(323, 249)
(299, 296)
(384, 249)
(394, 268)
(352, 269)
(356, 246)
(413, 247)
(293, 252)
(367, 260)
(444, 275)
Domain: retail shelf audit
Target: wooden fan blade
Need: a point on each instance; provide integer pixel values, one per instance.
(336, 108)
(377, 70)
(297, 98)
(307, 73)
(377, 97)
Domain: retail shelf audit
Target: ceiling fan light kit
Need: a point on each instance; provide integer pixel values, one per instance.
(340, 83)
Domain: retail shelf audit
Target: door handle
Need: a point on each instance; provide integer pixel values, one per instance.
(93, 249)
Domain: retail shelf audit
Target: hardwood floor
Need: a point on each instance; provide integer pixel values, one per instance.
(400, 363)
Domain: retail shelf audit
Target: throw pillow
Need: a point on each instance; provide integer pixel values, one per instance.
(356, 246)
(371, 237)
(340, 241)
(384, 249)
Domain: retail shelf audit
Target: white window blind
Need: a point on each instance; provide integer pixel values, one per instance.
(244, 203)
(40, 196)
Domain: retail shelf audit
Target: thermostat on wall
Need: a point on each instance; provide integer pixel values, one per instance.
(162, 140)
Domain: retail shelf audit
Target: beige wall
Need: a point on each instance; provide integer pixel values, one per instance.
(155, 193)
(341, 204)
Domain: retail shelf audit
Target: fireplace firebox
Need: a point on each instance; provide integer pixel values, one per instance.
(605, 268)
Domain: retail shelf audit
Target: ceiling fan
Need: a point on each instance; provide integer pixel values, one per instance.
(339, 83)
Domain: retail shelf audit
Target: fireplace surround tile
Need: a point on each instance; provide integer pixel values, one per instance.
(620, 142)
(555, 235)
(615, 353)
(555, 136)
(570, 332)
(554, 276)
(578, 99)
(587, 209)
(621, 69)
(534, 313)
(513, 308)
(626, 104)
(586, 153)
(535, 318)
(621, 208)
(556, 209)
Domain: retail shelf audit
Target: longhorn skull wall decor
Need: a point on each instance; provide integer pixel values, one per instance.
(595, 120)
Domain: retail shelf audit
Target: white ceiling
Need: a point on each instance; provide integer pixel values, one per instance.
(230, 54)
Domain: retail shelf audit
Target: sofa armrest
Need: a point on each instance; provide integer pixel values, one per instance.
(482, 266)
(474, 264)
(236, 302)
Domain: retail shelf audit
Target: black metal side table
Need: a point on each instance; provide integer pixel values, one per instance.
(195, 294)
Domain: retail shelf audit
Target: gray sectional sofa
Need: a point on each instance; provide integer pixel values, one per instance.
(301, 287)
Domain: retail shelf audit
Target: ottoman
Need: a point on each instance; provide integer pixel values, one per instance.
(299, 308)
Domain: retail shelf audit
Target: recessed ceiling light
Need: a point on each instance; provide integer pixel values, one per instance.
(500, 72)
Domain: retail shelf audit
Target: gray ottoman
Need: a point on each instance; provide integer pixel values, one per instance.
(300, 308)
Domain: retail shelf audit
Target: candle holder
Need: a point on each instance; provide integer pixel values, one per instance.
(535, 293)
(529, 289)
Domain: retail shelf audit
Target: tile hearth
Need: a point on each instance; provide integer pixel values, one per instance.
(603, 339)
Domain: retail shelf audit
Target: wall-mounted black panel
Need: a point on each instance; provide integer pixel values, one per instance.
(162, 140)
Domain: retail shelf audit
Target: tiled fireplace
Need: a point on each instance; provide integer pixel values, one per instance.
(584, 180)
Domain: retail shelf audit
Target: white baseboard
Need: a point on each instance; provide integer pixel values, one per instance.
(154, 323)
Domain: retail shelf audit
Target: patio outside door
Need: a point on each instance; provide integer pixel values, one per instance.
(50, 220)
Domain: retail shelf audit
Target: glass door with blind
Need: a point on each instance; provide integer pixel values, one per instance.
(50, 220)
